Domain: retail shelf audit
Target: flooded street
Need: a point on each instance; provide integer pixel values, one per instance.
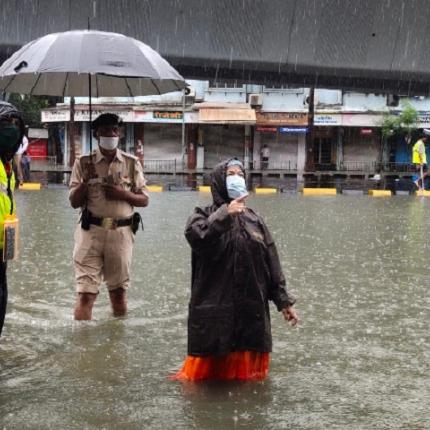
(359, 359)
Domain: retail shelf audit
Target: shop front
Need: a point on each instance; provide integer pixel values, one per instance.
(277, 138)
(224, 133)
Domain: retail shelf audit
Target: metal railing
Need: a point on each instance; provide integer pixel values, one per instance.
(395, 167)
(282, 165)
(365, 166)
(42, 162)
(159, 166)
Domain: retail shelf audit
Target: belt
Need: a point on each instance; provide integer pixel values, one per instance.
(110, 223)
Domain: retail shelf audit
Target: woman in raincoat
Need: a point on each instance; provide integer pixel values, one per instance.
(235, 272)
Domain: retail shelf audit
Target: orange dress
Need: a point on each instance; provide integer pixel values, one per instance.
(238, 365)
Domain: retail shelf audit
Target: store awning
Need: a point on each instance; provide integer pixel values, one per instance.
(227, 116)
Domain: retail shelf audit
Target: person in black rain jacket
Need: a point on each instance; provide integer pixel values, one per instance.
(235, 273)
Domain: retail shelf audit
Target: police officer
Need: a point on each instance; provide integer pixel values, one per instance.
(11, 134)
(106, 185)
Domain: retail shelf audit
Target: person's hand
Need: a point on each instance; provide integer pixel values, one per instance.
(114, 192)
(290, 315)
(90, 172)
(82, 189)
(237, 206)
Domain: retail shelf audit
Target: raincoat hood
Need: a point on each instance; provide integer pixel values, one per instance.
(218, 183)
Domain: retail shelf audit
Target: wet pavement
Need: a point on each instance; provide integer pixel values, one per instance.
(359, 360)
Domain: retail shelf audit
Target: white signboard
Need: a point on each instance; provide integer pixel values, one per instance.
(423, 120)
(84, 115)
(327, 119)
(55, 115)
(38, 133)
(63, 115)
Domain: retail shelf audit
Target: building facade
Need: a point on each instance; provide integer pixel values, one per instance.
(194, 133)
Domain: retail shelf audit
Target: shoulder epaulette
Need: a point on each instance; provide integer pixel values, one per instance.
(84, 156)
(128, 155)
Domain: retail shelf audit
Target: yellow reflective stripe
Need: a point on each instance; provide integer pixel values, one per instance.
(5, 203)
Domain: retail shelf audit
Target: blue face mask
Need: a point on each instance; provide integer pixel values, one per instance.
(236, 186)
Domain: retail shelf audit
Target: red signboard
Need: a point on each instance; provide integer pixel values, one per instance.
(266, 129)
(38, 148)
(366, 131)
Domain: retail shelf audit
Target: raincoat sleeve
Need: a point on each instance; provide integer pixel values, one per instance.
(202, 231)
(277, 290)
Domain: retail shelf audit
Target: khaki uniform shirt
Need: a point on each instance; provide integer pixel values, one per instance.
(118, 173)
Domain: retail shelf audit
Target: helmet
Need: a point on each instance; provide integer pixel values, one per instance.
(9, 111)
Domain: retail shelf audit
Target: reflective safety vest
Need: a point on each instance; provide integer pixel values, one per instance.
(7, 202)
(419, 153)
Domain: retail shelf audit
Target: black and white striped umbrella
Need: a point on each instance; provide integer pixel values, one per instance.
(65, 64)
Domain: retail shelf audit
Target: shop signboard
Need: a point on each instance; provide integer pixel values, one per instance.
(84, 115)
(37, 148)
(266, 129)
(55, 115)
(329, 119)
(167, 115)
(158, 117)
(282, 118)
(293, 130)
(423, 120)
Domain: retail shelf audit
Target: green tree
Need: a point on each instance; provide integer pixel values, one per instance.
(403, 124)
(30, 106)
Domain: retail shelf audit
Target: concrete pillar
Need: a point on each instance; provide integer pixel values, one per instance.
(200, 162)
(248, 146)
(339, 148)
(192, 139)
(301, 156)
(139, 140)
(256, 150)
(66, 158)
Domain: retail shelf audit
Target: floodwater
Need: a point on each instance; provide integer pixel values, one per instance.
(360, 358)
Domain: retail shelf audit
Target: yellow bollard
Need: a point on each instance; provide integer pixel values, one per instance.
(34, 186)
(380, 193)
(204, 188)
(319, 191)
(265, 190)
(154, 188)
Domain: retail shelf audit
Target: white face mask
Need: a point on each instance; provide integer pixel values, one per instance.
(108, 143)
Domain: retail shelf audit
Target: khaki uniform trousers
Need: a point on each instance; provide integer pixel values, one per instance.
(102, 254)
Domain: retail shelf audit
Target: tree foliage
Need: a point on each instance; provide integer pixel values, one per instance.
(403, 124)
(31, 107)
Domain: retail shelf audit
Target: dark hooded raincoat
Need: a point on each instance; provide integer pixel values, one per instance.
(235, 272)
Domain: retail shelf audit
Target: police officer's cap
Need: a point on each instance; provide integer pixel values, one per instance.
(106, 119)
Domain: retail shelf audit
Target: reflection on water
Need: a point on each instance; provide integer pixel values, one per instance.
(359, 360)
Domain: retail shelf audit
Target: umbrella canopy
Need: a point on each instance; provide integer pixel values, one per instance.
(59, 65)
